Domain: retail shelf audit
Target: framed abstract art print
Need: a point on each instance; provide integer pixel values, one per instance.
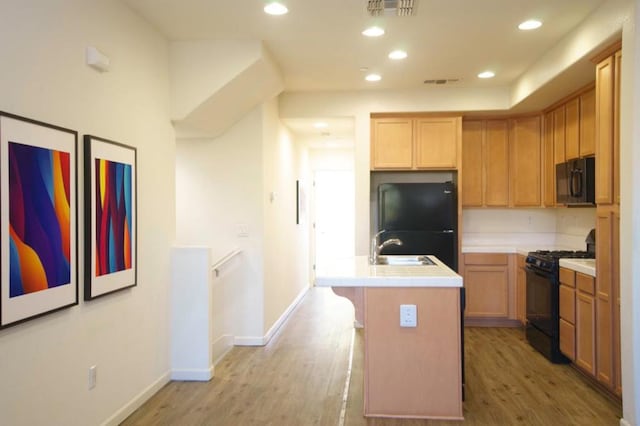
(110, 217)
(38, 219)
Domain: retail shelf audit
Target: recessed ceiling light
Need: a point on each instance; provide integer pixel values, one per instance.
(373, 77)
(320, 125)
(487, 74)
(373, 32)
(275, 8)
(531, 24)
(398, 54)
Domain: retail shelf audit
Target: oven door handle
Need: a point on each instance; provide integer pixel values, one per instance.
(539, 273)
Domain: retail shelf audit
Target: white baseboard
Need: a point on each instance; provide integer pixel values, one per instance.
(261, 341)
(220, 347)
(192, 375)
(623, 422)
(124, 412)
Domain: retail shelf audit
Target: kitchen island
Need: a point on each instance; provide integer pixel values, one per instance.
(412, 371)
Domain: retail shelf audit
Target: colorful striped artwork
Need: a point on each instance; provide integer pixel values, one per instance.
(39, 222)
(113, 186)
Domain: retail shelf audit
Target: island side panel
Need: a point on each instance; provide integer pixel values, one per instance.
(413, 372)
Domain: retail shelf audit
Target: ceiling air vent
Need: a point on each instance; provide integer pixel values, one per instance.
(441, 81)
(391, 7)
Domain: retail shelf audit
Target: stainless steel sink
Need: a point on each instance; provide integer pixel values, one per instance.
(400, 260)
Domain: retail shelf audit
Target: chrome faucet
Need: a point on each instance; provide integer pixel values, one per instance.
(376, 247)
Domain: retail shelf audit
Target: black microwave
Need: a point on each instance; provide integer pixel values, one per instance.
(576, 182)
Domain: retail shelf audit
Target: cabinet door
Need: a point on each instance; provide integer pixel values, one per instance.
(585, 332)
(496, 163)
(568, 304)
(525, 150)
(548, 162)
(472, 161)
(559, 134)
(604, 131)
(521, 290)
(436, 142)
(487, 292)
(588, 123)
(568, 339)
(616, 126)
(615, 293)
(391, 143)
(572, 129)
(604, 301)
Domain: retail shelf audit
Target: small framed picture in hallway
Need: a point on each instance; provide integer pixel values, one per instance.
(110, 217)
(38, 219)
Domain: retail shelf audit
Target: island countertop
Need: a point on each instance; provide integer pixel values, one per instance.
(357, 272)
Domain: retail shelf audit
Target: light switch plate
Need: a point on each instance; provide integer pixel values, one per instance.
(408, 316)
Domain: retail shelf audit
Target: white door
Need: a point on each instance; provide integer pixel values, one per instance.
(334, 212)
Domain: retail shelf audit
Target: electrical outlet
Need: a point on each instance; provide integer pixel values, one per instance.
(408, 316)
(93, 371)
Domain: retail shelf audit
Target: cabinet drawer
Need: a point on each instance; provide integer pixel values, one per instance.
(568, 304)
(567, 277)
(568, 339)
(585, 283)
(486, 259)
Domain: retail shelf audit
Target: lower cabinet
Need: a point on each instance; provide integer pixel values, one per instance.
(578, 319)
(490, 286)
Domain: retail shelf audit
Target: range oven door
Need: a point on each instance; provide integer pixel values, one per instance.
(540, 309)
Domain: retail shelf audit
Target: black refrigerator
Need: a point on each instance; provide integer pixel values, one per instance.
(424, 216)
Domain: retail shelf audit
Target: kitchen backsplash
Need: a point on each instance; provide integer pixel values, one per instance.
(536, 228)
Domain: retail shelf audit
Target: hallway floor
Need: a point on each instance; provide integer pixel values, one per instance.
(299, 379)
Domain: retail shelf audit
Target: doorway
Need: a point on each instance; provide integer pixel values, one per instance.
(334, 215)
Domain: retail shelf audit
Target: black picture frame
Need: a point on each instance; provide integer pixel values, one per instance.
(110, 240)
(38, 226)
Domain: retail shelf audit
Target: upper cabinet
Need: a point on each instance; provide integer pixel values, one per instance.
(526, 156)
(607, 129)
(485, 163)
(587, 124)
(392, 143)
(415, 142)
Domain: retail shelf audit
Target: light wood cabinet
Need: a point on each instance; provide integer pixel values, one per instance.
(572, 129)
(585, 332)
(436, 142)
(617, 61)
(415, 143)
(392, 146)
(615, 293)
(559, 134)
(521, 290)
(588, 123)
(548, 162)
(472, 163)
(526, 156)
(489, 281)
(485, 163)
(568, 313)
(605, 76)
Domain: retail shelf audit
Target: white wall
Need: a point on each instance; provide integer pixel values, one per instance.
(573, 225)
(219, 186)
(286, 243)
(44, 362)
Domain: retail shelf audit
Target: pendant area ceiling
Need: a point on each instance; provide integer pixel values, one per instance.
(319, 46)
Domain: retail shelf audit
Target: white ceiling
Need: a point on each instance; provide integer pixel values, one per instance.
(319, 45)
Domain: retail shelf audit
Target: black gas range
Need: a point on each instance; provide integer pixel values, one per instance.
(543, 299)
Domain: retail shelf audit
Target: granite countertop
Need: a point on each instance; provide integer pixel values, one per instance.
(357, 272)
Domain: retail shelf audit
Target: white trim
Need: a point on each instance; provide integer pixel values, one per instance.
(623, 422)
(124, 412)
(262, 341)
(193, 375)
(220, 347)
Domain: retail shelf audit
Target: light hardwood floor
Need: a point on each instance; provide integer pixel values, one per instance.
(298, 379)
